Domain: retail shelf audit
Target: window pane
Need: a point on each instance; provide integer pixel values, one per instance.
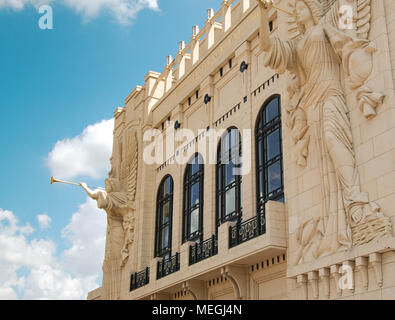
(166, 213)
(195, 192)
(162, 190)
(273, 145)
(230, 199)
(163, 230)
(225, 144)
(233, 135)
(229, 176)
(195, 164)
(274, 177)
(236, 157)
(271, 110)
(167, 187)
(165, 241)
(194, 168)
(194, 221)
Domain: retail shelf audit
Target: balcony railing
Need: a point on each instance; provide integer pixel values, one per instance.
(247, 230)
(139, 279)
(168, 266)
(201, 251)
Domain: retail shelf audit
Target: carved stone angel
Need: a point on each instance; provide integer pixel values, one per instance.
(297, 122)
(317, 58)
(120, 208)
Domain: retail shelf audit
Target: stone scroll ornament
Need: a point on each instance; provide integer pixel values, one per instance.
(318, 55)
(118, 200)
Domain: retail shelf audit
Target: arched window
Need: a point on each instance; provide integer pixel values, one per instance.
(228, 177)
(269, 160)
(193, 200)
(164, 213)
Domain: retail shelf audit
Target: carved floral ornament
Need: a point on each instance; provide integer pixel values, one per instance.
(318, 54)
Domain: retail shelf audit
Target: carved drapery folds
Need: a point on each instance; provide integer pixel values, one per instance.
(318, 57)
(297, 122)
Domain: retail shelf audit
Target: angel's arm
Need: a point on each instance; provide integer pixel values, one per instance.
(279, 55)
(264, 34)
(93, 194)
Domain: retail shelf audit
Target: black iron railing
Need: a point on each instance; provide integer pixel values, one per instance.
(168, 266)
(201, 251)
(247, 230)
(139, 279)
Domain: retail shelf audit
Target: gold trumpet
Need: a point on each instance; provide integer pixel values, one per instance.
(53, 180)
(265, 2)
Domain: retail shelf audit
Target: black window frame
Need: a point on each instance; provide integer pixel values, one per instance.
(190, 179)
(159, 227)
(263, 130)
(220, 185)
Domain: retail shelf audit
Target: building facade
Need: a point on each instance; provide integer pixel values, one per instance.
(260, 164)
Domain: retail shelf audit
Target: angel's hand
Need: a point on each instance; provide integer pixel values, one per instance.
(83, 185)
(266, 4)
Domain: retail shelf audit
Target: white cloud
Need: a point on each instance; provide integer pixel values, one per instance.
(51, 283)
(8, 294)
(123, 10)
(31, 266)
(20, 4)
(86, 233)
(44, 221)
(45, 275)
(87, 154)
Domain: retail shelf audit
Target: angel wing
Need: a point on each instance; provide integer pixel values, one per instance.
(358, 11)
(364, 10)
(130, 166)
(116, 159)
(293, 30)
(131, 163)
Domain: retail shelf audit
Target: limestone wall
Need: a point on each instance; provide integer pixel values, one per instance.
(271, 266)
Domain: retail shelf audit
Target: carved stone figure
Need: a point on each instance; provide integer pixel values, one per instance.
(297, 122)
(317, 58)
(118, 200)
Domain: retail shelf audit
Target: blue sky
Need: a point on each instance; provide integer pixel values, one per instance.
(58, 90)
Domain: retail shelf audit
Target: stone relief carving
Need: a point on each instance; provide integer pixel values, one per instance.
(118, 200)
(131, 163)
(297, 122)
(318, 58)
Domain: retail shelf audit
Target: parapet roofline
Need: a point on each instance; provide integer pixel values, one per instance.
(133, 94)
(206, 34)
